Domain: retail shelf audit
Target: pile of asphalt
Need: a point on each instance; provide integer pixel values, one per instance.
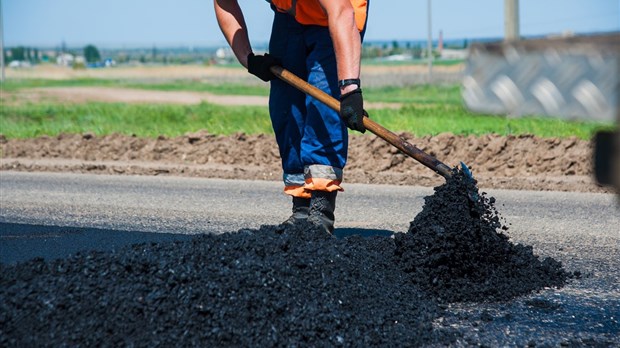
(265, 287)
(294, 286)
(456, 249)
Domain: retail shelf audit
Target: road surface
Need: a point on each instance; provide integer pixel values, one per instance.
(547, 220)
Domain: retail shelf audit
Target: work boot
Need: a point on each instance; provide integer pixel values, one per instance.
(301, 208)
(322, 206)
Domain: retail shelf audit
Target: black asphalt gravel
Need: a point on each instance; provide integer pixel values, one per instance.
(274, 286)
(455, 250)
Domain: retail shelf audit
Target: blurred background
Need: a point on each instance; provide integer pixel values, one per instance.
(151, 68)
(156, 32)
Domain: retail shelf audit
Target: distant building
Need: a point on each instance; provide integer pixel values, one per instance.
(65, 59)
(448, 53)
(398, 58)
(19, 64)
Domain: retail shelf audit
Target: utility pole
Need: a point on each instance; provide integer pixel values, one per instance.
(511, 20)
(1, 44)
(429, 44)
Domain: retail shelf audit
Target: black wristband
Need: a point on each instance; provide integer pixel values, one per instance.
(346, 82)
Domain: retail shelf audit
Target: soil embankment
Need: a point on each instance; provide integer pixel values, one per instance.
(509, 162)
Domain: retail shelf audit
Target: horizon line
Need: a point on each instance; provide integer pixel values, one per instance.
(222, 43)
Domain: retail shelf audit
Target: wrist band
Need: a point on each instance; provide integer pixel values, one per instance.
(346, 82)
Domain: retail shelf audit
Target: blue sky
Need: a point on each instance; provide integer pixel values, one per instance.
(129, 23)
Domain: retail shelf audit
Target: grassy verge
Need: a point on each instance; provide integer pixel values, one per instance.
(143, 120)
(421, 94)
(12, 85)
(173, 85)
(31, 120)
(198, 86)
(428, 110)
(426, 94)
(455, 119)
(418, 62)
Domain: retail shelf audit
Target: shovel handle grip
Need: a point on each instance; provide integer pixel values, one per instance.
(375, 128)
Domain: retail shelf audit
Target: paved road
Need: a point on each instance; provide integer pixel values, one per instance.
(50, 215)
(548, 220)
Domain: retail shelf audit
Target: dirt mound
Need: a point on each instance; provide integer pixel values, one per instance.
(516, 162)
(500, 155)
(277, 286)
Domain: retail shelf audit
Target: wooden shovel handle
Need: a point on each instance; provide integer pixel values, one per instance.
(375, 128)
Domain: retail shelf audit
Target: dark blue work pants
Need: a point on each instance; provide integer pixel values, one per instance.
(311, 137)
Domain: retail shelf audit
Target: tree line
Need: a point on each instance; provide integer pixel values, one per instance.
(34, 55)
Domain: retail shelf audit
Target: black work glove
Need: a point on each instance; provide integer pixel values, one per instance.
(260, 66)
(352, 110)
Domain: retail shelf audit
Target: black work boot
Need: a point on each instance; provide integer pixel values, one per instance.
(301, 208)
(322, 206)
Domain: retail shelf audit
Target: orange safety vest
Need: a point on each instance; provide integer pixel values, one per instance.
(310, 11)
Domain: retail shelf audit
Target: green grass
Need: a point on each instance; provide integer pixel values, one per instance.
(151, 120)
(423, 61)
(175, 85)
(428, 110)
(15, 85)
(425, 94)
(419, 94)
(143, 120)
(432, 120)
(198, 86)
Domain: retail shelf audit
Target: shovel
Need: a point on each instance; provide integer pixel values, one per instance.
(375, 128)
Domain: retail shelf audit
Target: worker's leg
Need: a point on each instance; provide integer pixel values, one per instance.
(325, 137)
(287, 110)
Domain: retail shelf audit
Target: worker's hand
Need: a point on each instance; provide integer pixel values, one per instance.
(260, 66)
(352, 110)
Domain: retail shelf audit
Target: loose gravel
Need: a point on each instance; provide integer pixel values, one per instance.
(456, 249)
(276, 286)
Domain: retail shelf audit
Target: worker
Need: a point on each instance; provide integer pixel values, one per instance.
(319, 41)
